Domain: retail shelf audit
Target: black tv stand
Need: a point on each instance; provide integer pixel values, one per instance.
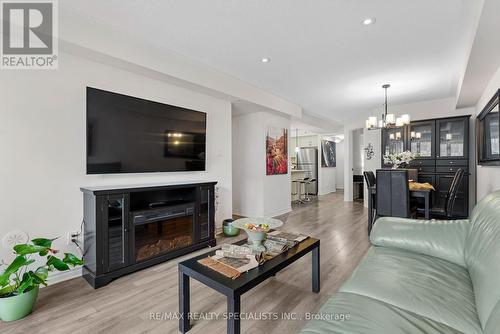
(130, 228)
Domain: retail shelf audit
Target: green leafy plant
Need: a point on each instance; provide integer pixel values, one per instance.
(19, 277)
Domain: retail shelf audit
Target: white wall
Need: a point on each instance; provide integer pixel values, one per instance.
(309, 141)
(339, 170)
(488, 177)
(256, 194)
(327, 177)
(348, 163)
(247, 172)
(42, 140)
(373, 137)
(357, 151)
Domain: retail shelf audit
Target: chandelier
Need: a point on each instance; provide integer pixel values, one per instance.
(388, 121)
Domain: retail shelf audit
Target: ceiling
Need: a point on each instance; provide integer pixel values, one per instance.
(484, 58)
(322, 56)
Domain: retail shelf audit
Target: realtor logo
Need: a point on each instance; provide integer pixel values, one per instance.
(29, 35)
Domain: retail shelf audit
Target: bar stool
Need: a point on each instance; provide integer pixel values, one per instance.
(304, 182)
(298, 190)
(308, 182)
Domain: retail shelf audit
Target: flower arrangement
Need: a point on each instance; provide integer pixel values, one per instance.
(397, 159)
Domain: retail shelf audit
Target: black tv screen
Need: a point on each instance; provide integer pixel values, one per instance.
(130, 135)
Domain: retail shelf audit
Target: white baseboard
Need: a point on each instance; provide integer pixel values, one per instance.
(279, 212)
(239, 214)
(60, 276)
(271, 214)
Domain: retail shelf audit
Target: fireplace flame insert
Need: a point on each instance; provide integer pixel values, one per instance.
(162, 230)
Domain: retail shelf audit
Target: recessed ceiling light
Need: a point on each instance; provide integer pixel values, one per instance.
(368, 21)
(265, 60)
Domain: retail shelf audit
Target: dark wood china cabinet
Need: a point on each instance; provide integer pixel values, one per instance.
(442, 148)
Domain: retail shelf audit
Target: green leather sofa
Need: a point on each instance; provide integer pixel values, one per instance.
(423, 276)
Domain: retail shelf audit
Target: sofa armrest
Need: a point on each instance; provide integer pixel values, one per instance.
(444, 239)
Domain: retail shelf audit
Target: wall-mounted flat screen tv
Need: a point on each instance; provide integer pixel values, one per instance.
(130, 135)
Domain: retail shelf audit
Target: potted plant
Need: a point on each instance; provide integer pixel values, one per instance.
(19, 283)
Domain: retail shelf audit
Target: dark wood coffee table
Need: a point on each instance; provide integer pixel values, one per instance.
(233, 289)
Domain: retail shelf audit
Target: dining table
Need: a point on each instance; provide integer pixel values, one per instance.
(415, 193)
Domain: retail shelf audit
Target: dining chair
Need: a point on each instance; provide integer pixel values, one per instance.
(412, 174)
(369, 178)
(451, 196)
(370, 183)
(393, 194)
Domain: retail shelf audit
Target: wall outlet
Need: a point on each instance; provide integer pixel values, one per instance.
(74, 235)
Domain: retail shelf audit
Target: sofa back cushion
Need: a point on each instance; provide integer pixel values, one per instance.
(493, 323)
(482, 255)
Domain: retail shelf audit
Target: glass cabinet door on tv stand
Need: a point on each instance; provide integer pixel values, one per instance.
(116, 232)
(206, 214)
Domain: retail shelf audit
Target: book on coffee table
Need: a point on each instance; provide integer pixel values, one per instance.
(233, 260)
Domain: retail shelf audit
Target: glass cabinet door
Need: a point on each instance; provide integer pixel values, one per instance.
(206, 214)
(116, 232)
(393, 141)
(421, 139)
(488, 134)
(491, 145)
(451, 138)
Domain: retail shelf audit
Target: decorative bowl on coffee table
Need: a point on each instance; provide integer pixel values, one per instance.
(256, 229)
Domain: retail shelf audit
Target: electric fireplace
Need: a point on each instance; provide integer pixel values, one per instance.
(130, 228)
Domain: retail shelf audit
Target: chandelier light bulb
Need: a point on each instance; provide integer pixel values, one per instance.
(373, 121)
(406, 119)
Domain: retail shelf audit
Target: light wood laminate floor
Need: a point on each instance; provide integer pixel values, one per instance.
(126, 304)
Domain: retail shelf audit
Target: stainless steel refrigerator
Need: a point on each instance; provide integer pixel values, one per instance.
(307, 159)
